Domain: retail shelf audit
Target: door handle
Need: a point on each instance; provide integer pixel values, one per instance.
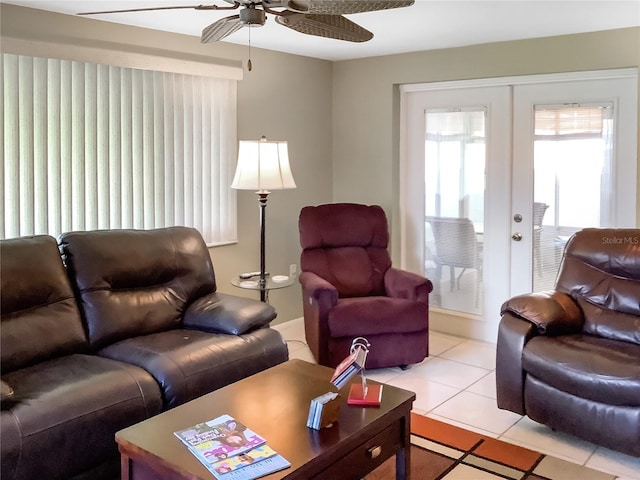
(517, 236)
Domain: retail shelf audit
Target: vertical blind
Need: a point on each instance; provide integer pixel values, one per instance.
(89, 146)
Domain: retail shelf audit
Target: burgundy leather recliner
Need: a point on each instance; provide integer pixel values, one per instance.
(350, 288)
(570, 358)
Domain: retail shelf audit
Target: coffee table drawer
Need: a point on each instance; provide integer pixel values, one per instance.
(367, 456)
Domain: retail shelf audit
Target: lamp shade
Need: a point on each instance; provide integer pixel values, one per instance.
(263, 165)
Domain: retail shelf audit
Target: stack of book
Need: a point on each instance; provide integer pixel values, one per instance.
(230, 450)
(323, 411)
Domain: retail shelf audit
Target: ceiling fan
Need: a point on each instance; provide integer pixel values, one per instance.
(322, 18)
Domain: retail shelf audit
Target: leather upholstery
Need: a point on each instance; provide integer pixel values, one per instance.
(553, 313)
(134, 305)
(601, 270)
(586, 366)
(350, 288)
(68, 412)
(221, 313)
(570, 358)
(189, 363)
(608, 425)
(66, 406)
(135, 282)
(37, 303)
(137, 330)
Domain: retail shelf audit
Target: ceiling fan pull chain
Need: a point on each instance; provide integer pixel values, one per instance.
(249, 65)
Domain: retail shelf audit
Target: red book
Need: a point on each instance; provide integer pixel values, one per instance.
(373, 395)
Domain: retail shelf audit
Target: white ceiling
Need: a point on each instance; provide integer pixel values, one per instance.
(427, 25)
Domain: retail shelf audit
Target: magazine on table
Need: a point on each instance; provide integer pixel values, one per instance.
(255, 463)
(220, 438)
(230, 450)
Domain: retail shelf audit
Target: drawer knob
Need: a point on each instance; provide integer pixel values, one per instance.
(375, 452)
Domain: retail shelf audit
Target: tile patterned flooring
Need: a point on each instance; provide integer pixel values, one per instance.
(456, 385)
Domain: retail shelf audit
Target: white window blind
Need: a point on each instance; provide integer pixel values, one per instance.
(572, 121)
(89, 146)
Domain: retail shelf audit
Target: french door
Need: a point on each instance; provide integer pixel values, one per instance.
(495, 177)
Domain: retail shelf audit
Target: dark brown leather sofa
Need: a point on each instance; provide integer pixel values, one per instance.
(570, 358)
(129, 326)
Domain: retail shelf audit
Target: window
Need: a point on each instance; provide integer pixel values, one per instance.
(454, 163)
(89, 146)
(569, 139)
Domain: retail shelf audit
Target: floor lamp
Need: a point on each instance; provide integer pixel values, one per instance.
(263, 166)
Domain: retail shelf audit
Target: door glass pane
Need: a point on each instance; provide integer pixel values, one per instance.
(455, 154)
(572, 180)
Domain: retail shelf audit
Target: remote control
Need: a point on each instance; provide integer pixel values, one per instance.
(247, 275)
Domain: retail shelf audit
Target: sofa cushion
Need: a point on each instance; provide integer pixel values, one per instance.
(601, 270)
(38, 312)
(221, 313)
(350, 269)
(66, 412)
(585, 366)
(610, 323)
(136, 282)
(190, 363)
(355, 317)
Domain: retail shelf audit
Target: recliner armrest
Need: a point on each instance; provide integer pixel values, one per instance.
(403, 284)
(222, 313)
(317, 287)
(553, 313)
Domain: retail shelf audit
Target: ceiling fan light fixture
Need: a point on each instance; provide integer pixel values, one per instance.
(253, 17)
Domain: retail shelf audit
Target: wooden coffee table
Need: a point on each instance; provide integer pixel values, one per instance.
(275, 404)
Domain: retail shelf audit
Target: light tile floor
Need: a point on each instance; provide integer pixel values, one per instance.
(456, 384)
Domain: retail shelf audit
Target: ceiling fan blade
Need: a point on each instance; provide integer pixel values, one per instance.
(221, 28)
(343, 7)
(136, 10)
(328, 26)
(176, 7)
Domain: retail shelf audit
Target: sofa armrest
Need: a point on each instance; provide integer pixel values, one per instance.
(222, 313)
(513, 334)
(403, 284)
(552, 313)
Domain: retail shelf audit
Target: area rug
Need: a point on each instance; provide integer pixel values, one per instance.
(440, 451)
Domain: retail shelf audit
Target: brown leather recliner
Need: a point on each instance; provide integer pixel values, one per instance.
(570, 358)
